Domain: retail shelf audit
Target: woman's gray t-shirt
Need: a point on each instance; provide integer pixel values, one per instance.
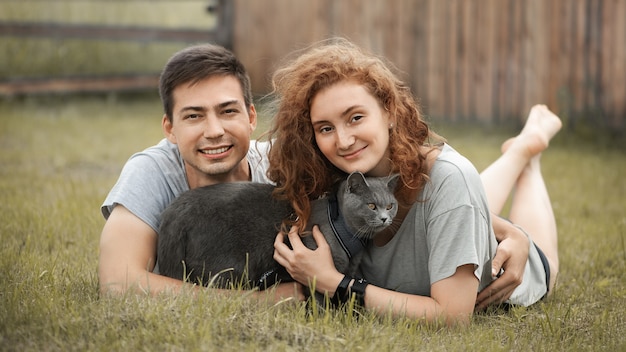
(449, 226)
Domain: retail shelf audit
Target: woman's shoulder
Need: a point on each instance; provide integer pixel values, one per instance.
(449, 161)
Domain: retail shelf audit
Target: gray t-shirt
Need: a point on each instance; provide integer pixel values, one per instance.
(153, 178)
(449, 226)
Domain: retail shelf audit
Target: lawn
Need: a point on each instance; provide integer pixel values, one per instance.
(59, 157)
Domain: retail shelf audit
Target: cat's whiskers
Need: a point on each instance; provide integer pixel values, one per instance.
(367, 231)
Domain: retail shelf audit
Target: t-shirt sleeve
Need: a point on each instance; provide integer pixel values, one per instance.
(258, 161)
(459, 226)
(145, 187)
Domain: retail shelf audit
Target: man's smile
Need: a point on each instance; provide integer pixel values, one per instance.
(215, 151)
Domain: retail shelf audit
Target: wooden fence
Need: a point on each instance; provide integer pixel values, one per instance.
(473, 60)
(466, 60)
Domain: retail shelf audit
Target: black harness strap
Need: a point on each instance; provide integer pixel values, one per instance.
(349, 242)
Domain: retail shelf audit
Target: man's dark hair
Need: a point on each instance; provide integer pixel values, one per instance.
(196, 63)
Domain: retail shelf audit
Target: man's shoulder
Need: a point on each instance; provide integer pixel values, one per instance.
(164, 153)
(163, 149)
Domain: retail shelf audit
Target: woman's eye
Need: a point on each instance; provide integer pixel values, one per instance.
(325, 129)
(372, 206)
(356, 118)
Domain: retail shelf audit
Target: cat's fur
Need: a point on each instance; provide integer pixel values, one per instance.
(229, 229)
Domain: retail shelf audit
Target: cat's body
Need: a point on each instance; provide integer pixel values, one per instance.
(229, 229)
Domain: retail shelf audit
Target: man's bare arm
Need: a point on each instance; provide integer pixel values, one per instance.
(128, 248)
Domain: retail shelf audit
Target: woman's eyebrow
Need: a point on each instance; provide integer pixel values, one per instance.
(350, 109)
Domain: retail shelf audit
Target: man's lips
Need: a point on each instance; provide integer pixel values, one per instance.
(215, 151)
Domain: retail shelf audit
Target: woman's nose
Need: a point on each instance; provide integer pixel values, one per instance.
(344, 139)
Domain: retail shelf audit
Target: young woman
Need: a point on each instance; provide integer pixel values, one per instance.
(343, 110)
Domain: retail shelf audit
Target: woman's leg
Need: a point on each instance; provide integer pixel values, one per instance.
(519, 170)
(532, 210)
(500, 178)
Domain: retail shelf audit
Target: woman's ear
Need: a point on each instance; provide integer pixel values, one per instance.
(166, 124)
(391, 120)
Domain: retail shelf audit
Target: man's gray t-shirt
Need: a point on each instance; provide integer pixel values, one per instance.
(153, 178)
(449, 226)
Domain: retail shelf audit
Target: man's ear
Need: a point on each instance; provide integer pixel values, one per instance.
(252, 116)
(166, 124)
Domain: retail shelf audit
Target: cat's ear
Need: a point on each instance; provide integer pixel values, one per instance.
(356, 182)
(392, 183)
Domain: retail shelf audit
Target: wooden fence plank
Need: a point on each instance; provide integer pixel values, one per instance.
(419, 78)
(465, 56)
(613, 77)
(484, 43)
(451, 62)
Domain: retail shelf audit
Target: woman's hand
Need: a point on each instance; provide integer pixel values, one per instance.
(308, 266)
(511, 256)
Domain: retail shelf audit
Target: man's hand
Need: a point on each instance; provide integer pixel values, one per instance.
(511, 257)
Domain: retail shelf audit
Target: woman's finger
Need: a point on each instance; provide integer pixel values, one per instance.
(294, 238)
(497, 292)
(318, 237)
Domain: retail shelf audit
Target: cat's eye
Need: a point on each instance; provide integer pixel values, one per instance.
(389, 207)
(372, 206)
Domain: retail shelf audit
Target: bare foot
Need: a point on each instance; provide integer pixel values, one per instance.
(541, 126)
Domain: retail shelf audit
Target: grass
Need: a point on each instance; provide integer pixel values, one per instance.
(60, 156)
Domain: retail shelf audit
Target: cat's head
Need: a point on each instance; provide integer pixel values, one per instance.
(368, 204)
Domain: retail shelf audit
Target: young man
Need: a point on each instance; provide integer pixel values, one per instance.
(208, 121)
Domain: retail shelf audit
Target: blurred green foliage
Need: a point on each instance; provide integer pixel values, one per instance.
(32, 57)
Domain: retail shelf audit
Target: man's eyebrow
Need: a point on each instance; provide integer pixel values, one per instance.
(227, 103)
(217, 106)
(192, 108)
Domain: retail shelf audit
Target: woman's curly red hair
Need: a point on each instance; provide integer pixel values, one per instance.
(298, 167)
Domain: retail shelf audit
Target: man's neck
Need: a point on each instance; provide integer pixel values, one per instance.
(240, 173)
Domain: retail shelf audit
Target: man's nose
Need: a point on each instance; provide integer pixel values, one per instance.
(213, 127)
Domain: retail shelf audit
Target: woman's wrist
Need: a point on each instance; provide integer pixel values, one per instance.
(350, 287)
(328, 285)
(342, 291)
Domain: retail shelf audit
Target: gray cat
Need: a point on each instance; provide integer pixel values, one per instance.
(224, 234)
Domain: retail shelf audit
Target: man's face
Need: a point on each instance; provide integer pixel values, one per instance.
(212, 128)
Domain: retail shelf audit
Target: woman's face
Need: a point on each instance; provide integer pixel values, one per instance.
(352, 129)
